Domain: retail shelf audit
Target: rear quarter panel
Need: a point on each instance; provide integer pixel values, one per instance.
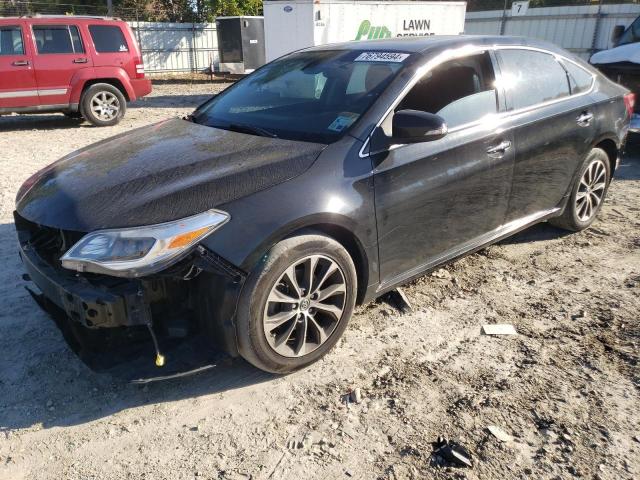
(105, 72)
(611, 117)
(125, 61)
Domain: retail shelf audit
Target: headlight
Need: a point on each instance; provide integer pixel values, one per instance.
(133, 252)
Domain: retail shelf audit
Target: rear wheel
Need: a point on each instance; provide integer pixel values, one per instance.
(296, 303)
(103, 105)
(588, 193)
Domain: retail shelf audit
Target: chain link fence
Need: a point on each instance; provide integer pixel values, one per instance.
(582, 27)
(166, 47)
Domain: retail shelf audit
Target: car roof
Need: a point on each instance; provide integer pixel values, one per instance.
(436, 43)
(56, 19)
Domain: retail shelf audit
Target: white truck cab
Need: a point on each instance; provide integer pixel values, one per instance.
(622, 62)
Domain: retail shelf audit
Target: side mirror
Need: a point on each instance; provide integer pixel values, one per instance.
(618, 30)
(413, 126)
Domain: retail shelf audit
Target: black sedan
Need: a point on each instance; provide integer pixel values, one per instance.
(322, 180)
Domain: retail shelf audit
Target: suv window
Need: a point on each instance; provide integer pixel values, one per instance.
(11, 41)
(460, 91)
(57, 39)
(108, 39)
(532, 77)
(579, 78)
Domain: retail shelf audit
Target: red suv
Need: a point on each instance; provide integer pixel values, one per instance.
(82, 66)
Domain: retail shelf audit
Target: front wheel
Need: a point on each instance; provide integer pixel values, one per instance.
(296, 303)
(587, 194)
(103, 105)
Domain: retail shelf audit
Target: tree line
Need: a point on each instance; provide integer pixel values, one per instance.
(144, 10)
(207, 10)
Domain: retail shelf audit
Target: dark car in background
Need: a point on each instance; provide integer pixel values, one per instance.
(84, 67)
(321, 181)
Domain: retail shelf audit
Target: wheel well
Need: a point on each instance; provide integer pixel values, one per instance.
(349, 241)
(111, 81)
(610, 148)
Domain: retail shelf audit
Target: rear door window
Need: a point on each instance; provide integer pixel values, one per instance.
(530, 77)
(460, 91)
(51, 39)
(579, 78)
(108, 39)
(11, 41)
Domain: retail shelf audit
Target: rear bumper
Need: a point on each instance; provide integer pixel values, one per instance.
(141, 87)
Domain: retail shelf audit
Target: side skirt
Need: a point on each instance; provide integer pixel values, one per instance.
(66, 107)
(468, 248)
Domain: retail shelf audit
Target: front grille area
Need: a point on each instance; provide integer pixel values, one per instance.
(49, 243)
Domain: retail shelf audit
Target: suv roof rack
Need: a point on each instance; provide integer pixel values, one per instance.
(96, 17)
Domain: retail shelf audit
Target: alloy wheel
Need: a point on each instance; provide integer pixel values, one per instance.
(591, 190)
(105, 106)
(305, 306)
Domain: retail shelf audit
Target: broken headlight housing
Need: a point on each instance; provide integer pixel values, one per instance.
(134, 252)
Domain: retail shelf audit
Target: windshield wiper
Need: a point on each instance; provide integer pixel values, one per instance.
(242, 128)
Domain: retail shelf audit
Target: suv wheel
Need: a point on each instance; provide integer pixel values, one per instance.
(296, 303)
(588, 193)
(103, 105)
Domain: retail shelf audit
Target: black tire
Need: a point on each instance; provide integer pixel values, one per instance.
(113, 98)
(267, 275)
(571, 218)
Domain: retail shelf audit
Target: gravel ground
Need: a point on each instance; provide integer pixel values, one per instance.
(566, 388)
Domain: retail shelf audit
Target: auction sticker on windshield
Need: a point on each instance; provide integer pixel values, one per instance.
(381, 57)
(344, 120)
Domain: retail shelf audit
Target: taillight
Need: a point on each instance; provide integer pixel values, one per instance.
(630, 102)
(139, 70)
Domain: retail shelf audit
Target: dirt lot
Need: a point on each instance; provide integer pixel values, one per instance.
(566, 388)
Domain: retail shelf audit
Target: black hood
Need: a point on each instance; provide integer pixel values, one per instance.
(158, 173)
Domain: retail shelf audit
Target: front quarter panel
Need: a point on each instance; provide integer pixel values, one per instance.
(336, 191)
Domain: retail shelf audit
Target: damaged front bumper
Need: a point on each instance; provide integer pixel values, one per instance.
(93, 305)
(199, 295)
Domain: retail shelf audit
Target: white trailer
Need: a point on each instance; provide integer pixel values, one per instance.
(291, 25)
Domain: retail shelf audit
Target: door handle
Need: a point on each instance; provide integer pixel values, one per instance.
(20, 63)
(80, 60)
(584, 120)
(498, 150)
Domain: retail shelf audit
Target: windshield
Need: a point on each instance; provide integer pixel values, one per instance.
(631, 34)
(313, 96)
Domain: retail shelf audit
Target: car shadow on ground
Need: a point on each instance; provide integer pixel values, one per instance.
(50, 121)
(43, 382)
(537, 233)
(629, 166)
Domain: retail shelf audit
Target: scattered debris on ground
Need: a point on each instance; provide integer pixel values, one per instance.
(499, 433)
(499, 329)
(448, 453)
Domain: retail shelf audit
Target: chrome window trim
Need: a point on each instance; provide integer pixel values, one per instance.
(67, 26)
(467, 50)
